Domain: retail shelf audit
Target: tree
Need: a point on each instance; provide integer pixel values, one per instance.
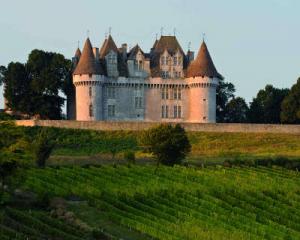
(33, 88)
(266, 106)
(13, 149)
(168, 144)
(42, 147)
(236, 111)
(225, 92)
(17, 87)
(291, 105)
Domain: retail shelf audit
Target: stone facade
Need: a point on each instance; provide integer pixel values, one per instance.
(165, 85)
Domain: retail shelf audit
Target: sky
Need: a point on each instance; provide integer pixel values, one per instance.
(252, 43)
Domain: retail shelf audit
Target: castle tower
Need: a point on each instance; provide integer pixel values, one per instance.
(203, 79)
(88, 78)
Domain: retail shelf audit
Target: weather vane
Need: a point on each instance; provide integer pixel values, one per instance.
(77, 44)
(203, 37)
(109, 30)
(174, 31)
(189, 46)
(161, 31)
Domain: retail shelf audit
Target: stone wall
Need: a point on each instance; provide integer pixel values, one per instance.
(135, 126)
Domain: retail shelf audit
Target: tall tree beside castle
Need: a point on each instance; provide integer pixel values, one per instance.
(33, 88)
(266, 106)
(291, 105)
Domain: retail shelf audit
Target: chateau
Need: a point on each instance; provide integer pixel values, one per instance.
(164, 85)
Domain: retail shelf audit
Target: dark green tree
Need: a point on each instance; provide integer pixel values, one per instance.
(291, 105)
(33, 88)
(225, 92)
(17, 87)
(169, 144)
(266, 106)
(236, 111)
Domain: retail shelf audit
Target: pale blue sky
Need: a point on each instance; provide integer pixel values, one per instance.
(252, 43)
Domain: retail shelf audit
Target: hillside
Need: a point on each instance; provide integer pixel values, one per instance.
(173, 203)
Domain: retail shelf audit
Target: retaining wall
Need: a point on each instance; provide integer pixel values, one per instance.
(135, 126)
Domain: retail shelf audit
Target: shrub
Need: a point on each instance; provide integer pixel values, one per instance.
(169, 144)
(42, 147)
(129, 156)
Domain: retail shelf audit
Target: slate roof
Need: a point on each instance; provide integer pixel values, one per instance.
(203, 65)
(133, 52)
(87, 63)
(107, 46)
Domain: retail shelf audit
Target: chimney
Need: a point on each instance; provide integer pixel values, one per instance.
(124, 50)
(96, 53)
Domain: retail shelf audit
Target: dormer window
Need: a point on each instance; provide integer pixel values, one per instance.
(175, 61)
(163, 60)
(179, 61)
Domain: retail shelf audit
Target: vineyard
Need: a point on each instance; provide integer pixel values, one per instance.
(138, 202)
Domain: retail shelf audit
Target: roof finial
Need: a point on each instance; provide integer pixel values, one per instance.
(203, 37)
(161, 31)
(105, 35)
(156, 36)
(189, 46)
(88, 33)
(109, 30)
(174, 31)
(77, 44)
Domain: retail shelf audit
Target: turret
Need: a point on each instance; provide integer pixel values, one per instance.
(88, 78)
(203, 79)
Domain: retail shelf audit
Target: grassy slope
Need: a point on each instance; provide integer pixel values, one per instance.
(208, 147)
(180, 203)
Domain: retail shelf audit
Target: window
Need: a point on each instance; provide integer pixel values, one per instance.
(111, 110)
(175, 61)
(164, 74)
(140, 65)
(91, 112)
(164, 111)
(179, 111)
(177, 93)
(90, 91)
(90, 75)
(204, 118)
(175, 111)
(111, 92)
(167, 112)
(163, 60)
(179, 61)
(164, 93)
(138, 102)
(204, 99)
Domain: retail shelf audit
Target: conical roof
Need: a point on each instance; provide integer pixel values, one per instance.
(107, 46)
(78, 53)
(87, 63)
(203, 65)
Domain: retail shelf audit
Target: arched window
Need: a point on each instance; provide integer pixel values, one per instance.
(91, 110)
